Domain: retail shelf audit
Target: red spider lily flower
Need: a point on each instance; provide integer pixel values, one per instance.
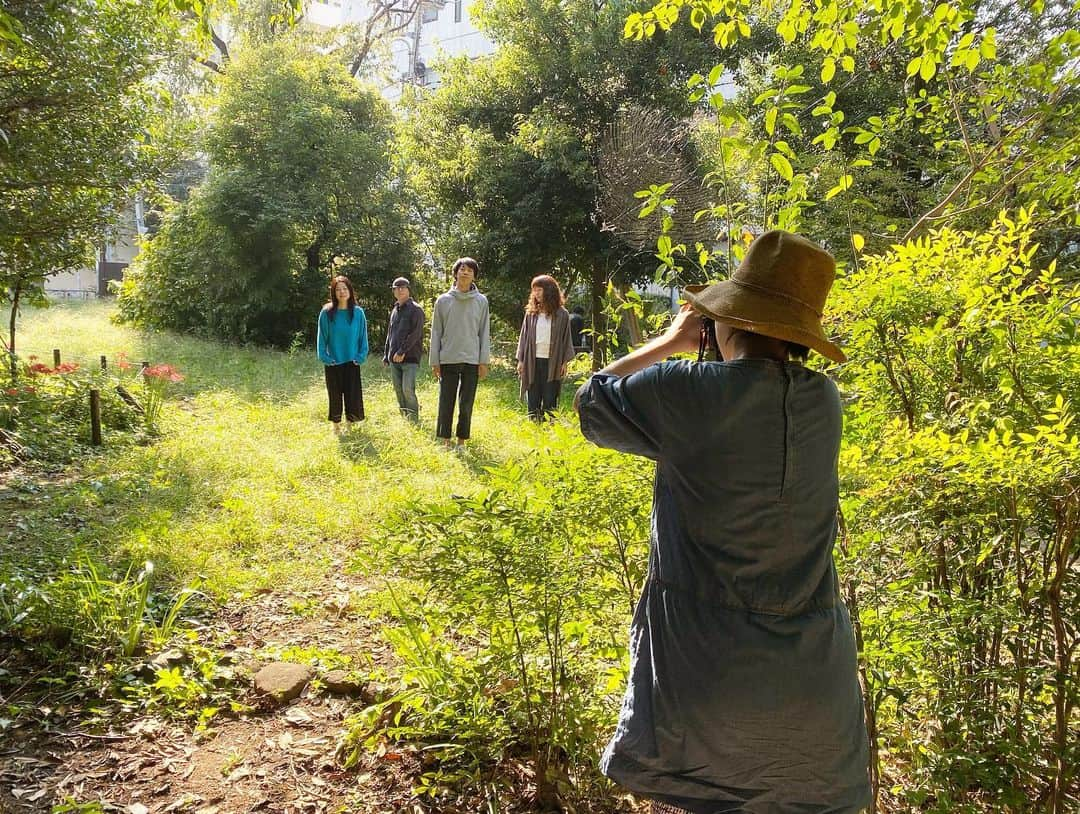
(123, 363)
(38, 367)
(66, 367)
(164, 372)
(32, 357)
(12, 391)
(30, 390)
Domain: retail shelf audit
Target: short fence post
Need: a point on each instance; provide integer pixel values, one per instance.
(104, 361)
(95, 417)
(144, 364)
(56, 357)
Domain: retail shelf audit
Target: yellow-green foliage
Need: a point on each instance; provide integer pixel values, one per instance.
(961, 476)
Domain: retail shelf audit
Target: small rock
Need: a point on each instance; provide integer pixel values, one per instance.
(283, 680)
(168, 658)
(339, 683)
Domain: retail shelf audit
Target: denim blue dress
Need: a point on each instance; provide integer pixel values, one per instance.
(743, 692)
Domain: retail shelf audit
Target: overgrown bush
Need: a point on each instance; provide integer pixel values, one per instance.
(514, 604)
(961, 489)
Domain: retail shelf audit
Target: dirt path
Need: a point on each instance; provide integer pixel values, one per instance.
(275, 759)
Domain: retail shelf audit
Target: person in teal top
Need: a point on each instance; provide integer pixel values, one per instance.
(342, 345)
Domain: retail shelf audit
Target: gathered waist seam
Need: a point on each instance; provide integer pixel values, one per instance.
(813, 606)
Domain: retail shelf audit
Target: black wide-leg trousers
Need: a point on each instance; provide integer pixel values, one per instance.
(345, 390)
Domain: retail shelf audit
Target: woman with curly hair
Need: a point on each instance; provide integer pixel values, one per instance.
(544, 347)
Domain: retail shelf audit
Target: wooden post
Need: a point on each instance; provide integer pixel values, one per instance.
(95, 417)
(144, 364)
(104, 361)
(56, 357)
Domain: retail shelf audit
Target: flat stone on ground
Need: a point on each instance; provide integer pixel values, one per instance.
(283, 680)
(339, 683)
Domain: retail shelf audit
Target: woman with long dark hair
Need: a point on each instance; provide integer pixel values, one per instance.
(343, 346)
(743, 688)
(544, 347)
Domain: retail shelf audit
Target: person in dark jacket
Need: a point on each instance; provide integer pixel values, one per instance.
(743, 691)
(544, 347)
(577, 325)
(404, 345)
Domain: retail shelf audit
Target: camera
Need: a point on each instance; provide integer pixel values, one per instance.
(707, 343)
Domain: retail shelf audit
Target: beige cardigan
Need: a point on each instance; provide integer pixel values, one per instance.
(561, 351)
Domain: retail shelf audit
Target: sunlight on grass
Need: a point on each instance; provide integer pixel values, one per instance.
(247, 486)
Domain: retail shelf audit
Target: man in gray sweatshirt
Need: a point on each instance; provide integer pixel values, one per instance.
(460, 349)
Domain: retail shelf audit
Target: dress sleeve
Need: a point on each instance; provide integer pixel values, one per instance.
(624, 414)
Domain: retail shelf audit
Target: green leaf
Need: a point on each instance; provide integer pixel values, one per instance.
(828, 70)
(858, 241)
(927, 69)
(782, 166)
(770, 120)
(914, 66)
(988, 47)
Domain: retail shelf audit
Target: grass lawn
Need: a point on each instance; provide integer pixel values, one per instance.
(247, 487)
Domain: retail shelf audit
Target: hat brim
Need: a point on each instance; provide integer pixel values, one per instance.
(758, 312)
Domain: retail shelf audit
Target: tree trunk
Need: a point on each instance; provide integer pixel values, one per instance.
(597, 286)
(16, 294)
(630, 319)
(313, 257)
(1066, 536)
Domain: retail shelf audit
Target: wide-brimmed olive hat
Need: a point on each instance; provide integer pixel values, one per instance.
(778, 290)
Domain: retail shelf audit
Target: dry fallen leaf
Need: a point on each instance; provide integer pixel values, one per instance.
(298, 717)
(137, 808)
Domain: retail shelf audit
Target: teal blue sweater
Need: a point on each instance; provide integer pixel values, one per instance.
(342, 340)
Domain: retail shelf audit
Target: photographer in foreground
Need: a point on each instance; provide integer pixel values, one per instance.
(743, 693)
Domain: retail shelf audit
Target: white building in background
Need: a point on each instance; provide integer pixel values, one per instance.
(441, 28)
(112, 258)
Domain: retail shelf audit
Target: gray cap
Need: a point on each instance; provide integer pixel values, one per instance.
(401, 281)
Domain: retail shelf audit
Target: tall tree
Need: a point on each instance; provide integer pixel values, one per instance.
(888, 119)
(299, 188)
(505, 153)
(79, 132)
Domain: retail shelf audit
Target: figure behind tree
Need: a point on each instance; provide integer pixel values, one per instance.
(577, 326)
(545, 347)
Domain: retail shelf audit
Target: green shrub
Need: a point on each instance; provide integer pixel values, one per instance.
(961, 483)
(514, 601)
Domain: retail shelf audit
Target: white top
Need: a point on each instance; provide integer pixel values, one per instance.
(543, 336)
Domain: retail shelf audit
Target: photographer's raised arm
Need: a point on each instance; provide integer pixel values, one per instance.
(680, 337)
